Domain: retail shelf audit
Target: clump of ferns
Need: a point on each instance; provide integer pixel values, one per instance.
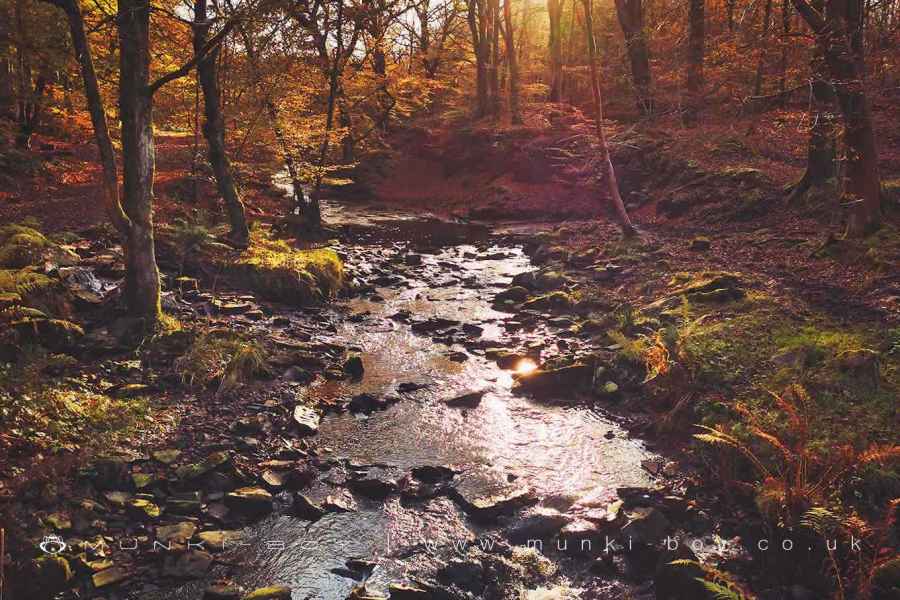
(792, 476)
(719, 584)
(853, 571)
(223, 358)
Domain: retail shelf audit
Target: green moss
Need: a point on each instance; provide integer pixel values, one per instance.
(21, 246)
(280, 272)
(554, 301)
(221, 356)
(35, 290)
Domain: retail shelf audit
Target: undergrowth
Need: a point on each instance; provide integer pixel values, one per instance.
(221, 357)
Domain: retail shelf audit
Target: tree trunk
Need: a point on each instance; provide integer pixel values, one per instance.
(214, 129)
(494, 79)
(554, 8)
(475, 19)
(7, 72)
(862, 180)
(609, 173)
(514, 114)
(138, 156)
(696, 41)
(821, 152)
(85, 59)
(761, 64)
(783, 63)
(631, 19)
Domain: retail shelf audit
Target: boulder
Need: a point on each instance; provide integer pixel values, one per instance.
(306, 419)
(187, 565)
(646, 525)
(275, 592)
(469, 399)
(250, 501)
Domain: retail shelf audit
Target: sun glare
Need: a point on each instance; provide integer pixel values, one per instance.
(526, 366)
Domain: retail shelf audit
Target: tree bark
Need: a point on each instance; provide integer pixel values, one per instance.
(554, 8)
(514, 114)
(609, 173)
(214, 128)
(631, 19)
(696, 42)
(494, 72)
(142, 287)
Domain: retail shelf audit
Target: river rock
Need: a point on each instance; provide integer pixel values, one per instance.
(486, 500)
(306, 509)
(217, 540)
(539, 523)
(187, 565)
(184, 503)
(647, 526)
(678, 582)
(275, 592)
(178, 533)
(466, 574)
(306, 419)
(52, 573)
(252, 501)
(353, 366)
(222, 592)
(512, 295)
(109, 577)
(377, 483)
(469, 399)
(400, 591)
(555, 382)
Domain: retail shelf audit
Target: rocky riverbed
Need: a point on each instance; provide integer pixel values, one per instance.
(442, 432)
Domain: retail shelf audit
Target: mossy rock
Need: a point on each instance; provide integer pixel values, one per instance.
(52, 574)
(22, 246)
(555, 301)
(282, 273)
(713, 287)
(55, 334)
(275, 592)
(886, 580)
(36, 290)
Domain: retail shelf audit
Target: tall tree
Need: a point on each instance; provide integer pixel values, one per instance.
(514, 112)
(837, 29)
(214, 127)
(631, 19)
(95, 105)
(554, 9)
(609, 173)
(696, 43)
(763, 47)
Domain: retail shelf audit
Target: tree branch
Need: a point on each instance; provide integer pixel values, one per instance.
(187, 67)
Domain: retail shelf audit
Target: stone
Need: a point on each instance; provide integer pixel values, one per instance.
(142, 480)
(193, 471)
(376, 483)
(399, 591)
(700, 244)
(646, 525)
(678, 582)
(488, 500)
(222, 592)
(273, 479)
(554, 382)
(109, 577)
(187, 565)
(306, 509)
(277, 592)
(232, 308)
(469, 399)
(252, 501)
(515, 294)
(166, 457)
(143, 508)
(539, 523)
(554, 301)
(53, 572)
(306, 419)
(217, 540)
(179, 532)
(184, 503)
(468, 575)
(58, 521)
(117, 498)
(354, 367)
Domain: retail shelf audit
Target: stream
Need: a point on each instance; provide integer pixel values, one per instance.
(422, 327)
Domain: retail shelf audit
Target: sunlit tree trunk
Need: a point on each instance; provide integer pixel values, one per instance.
(214, 129)
(475, 18)
(554, 8)
(514, 114)
(609, 173)
(142, 287)
(696, 42)
(494, 72)
(631, 19)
